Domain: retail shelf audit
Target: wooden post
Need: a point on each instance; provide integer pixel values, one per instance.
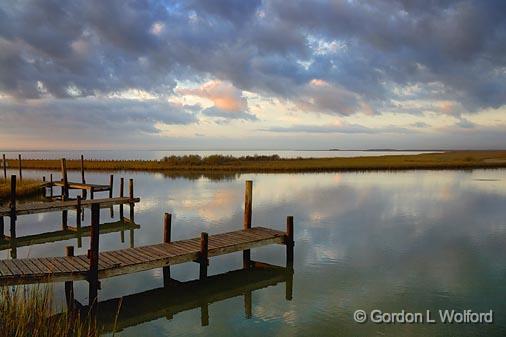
(51, 185)
(289, 242)
(94, 284)
(65, 189)
(13, 216)
(64, 220)
(83, 180)
(111, 182)
(289, 285)
(131, 191)
(69, 285)
(203, 257)
(167, 224)
(248, 204)
(20, 169)
(248, 304)
(2, 228)
(4, 162)
(121, 194)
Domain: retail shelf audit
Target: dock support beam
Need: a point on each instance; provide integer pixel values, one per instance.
(64, 193)
(83, 180)
(248, 304)
(111, 183)
(94, 284)
(131, 191)
(167, 224)
(204, 314)
(51, 185)
(290, 243)
(203, 256)
(248, 203)
(2, 228)
(12, 205)
(69, 285)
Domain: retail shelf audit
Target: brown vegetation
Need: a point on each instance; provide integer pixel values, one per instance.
(24, 188)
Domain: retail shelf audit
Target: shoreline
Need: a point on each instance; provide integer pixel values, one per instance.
(274, 164)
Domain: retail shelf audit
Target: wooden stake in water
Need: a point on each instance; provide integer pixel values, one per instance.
(20, 170)
(248, 205)
(69, 285)
(4, 164)
(290, 243)
(167, 224)
(132, 204)
(12, 206)
(94, 284)
(203, 256)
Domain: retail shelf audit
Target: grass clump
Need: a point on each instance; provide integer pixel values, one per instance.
(24, 188)
(28, 312)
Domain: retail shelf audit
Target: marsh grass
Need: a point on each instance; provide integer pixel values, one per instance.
(253, 164)
(29, 312)
(24, 188)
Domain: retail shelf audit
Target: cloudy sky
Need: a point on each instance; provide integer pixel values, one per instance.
(255, 74)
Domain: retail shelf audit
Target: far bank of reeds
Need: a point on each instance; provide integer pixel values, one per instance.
(24, 188)
(275, 164)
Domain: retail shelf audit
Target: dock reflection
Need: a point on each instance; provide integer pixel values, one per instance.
(120, 313)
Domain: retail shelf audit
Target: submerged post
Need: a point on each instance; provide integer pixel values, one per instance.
(248, 203)
(69, 285)
(131, 192)
(65, 188)
(20, 169)
(111, 182)
(167, 224)
(248, 304)
(78, 212)
(94, 284)
(203, 256)
(289, 242)
(84, 192)
(4, 164)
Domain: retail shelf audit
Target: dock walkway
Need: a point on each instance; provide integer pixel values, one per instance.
(130, 260)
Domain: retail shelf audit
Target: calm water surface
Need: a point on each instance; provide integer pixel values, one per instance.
(417, 240)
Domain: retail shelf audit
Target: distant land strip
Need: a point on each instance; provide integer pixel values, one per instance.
(275, 164)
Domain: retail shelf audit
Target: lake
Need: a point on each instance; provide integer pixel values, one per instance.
(393, 241)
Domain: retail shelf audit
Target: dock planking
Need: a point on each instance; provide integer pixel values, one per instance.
(131, 260)
(55, 206)
(83, 186)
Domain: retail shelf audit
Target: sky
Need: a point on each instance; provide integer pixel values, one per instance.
(224, 74)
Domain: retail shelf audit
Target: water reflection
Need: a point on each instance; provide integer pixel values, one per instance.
(412, 240)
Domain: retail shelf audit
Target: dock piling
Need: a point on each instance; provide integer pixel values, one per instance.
(84, 193)
(248, 304)
(94, 284)
(13, 216)
(248, 203)
(167, 224)
(289, 242)
(20, 169)
(203, 256)
(131, 191)
(51, 185)
(2, 228)
(121, 194)
(111, 182)
(4, 164)
(204, 314)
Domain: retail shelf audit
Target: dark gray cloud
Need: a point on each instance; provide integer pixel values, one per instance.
(363, 50)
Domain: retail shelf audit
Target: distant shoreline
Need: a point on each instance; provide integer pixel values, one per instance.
(275, 164)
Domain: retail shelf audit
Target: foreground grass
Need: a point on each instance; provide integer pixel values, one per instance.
(253, 164)
(28, 312)
(24, 188)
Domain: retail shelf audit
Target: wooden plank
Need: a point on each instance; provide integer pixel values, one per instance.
(4, 271)
(13, 268)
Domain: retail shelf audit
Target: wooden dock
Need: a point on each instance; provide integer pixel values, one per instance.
(131, 260)
(57, 206)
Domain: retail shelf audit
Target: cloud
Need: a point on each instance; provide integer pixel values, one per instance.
(229, 102)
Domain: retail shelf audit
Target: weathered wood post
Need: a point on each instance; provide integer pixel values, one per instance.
(289, 285)
(2, 228)
(121, 194)
(248, 304)
(13, 216)
(167, 228)
(248, 203)
(93, 281)
(20, 169)
(289, 241)
(92, 192)
(131, 192)
(79, 210)
(84, 192)
(203, 255)
(51, 185)
(4, 164)
(111, 182)
(69, 285)
(64, 193)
